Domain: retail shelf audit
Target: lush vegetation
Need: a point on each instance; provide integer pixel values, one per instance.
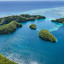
(45, 35)
(60, 20)
(4, 60)
(40, 17)
(33, 26)
(20, 18)
(9, 28)
(10, 24)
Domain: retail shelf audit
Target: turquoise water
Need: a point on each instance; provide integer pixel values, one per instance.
(24, 45)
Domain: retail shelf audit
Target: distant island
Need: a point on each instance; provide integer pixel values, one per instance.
(60, 20)
(11, 23)
(4, 60)
(46, 35)
(33, 26)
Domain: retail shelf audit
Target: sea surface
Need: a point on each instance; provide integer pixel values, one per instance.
(24, 45)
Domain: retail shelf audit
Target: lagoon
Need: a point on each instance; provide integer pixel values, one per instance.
(24, 45)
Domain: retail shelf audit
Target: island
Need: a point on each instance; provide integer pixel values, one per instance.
(10, 27)
(60, 20)
(33, 26)
(20, 18)
(46, 35)
(4, 60)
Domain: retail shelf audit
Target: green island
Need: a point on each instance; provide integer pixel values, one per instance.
(60, 20)
(4, 60)
(9, 28)
(20, 18)
(46, 35)
(33, 26)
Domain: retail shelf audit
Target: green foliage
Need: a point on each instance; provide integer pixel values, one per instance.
(40, 17)
(20, 18)
(6, 20)
(33, 26)
(26, 15)
(45, 35)
(4, 60)
(60, 20)
(10, 23)
(9, 28)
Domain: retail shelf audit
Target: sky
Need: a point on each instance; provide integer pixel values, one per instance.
(31, 0)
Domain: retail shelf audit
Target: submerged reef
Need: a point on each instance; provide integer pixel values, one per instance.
(46, 35)
(4, 60)
(60, 20)
(33, 26)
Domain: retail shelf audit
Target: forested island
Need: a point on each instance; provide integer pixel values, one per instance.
(33, 26)
(20, 18)
(4, 60)
(46, 35)
(10, 27)
(60, 20)
(11, 23)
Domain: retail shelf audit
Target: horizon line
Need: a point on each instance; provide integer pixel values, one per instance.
(29, 0)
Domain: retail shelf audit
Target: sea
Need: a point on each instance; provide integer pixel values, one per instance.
(24, 46)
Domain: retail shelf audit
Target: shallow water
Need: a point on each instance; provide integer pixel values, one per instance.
(24, 45)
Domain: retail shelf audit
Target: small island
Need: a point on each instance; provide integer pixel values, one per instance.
(46, 35)
(60, 20)
(4, 60)
(33, 26)
(10, 27)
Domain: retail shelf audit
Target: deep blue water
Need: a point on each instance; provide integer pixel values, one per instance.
(11, 8)
(24, 45)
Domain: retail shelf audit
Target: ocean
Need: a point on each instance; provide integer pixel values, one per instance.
(24, 46)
